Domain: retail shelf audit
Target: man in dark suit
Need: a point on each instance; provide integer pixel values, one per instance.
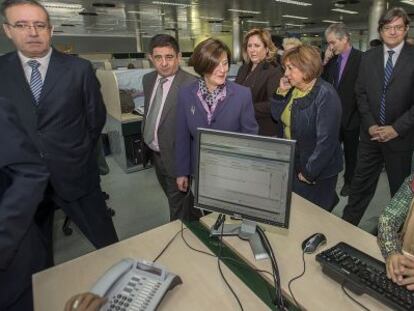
(386, 103)
(160, 90)
(59, 103)
(23, 178)
(341, 70)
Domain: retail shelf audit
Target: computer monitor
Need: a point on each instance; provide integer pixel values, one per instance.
(245, 176)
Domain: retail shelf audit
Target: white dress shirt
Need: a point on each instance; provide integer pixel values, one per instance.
(397, 53)
(43, 61)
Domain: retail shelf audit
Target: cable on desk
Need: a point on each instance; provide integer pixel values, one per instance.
(276, 276)
(352, 298)
(221, 272)
(296, 278)
(166, 246)
(242, 263)
(189, 246)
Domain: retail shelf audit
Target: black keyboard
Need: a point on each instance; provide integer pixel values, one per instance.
(362, 273)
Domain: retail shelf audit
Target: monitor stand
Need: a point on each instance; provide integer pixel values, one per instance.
(245, 231)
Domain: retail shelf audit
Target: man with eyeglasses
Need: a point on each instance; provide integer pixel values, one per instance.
(161, 90)
(385, 99)
(58, 100)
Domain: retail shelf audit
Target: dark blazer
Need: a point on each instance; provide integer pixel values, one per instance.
(166, 128)
(67, 122)
(400, 96)
(235, 114)
(315, 127)
(64, 128)
(346, 88)
(23, 178)
(263, 82)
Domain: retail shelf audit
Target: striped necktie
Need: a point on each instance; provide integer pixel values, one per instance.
(387, 76)
(153, 112)
(35, 80)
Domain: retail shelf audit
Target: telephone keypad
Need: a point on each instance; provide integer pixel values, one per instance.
(138, 294)
(132, 285)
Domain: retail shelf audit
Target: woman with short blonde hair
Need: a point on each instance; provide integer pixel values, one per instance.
(290, 43)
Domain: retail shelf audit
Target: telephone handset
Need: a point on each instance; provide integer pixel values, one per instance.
(132, 285)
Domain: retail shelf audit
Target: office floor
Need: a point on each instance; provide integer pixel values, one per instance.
(140, 205)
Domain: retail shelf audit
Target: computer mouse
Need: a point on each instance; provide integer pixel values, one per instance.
(311, 244)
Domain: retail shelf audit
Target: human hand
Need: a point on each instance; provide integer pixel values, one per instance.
(373, 132)
(284, 85)
(407, 272)
(85, 302)
(182, 183)
(385, 133)
(329, 53)
(394, 266)
(303, 179)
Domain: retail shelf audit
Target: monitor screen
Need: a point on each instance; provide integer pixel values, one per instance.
(244, 175)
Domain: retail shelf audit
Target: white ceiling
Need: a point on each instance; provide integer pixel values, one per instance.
(200, 17)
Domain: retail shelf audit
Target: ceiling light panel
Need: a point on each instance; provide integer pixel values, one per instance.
(146, 13)
(294, 25)
(252, 21)
(344, 11)
(330, 21)
(301, 3)
(211, 18)
(244, 11)
(295, 16)
(408, 2)
(61, 5)
(182, 5)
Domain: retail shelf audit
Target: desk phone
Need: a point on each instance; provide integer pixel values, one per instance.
(133, 285)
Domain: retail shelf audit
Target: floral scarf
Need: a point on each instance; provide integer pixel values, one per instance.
(210, 100)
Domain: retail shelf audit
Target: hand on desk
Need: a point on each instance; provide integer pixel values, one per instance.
(400, 269)
(85, 302)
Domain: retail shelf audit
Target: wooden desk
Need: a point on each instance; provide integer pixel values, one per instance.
(315, 290)
(202, 288)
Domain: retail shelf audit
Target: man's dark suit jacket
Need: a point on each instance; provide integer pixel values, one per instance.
(346, 88)
(399, 112)
(263, 82)
(23, 178)
(64, 127)
(166, 128)
(67, 122)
